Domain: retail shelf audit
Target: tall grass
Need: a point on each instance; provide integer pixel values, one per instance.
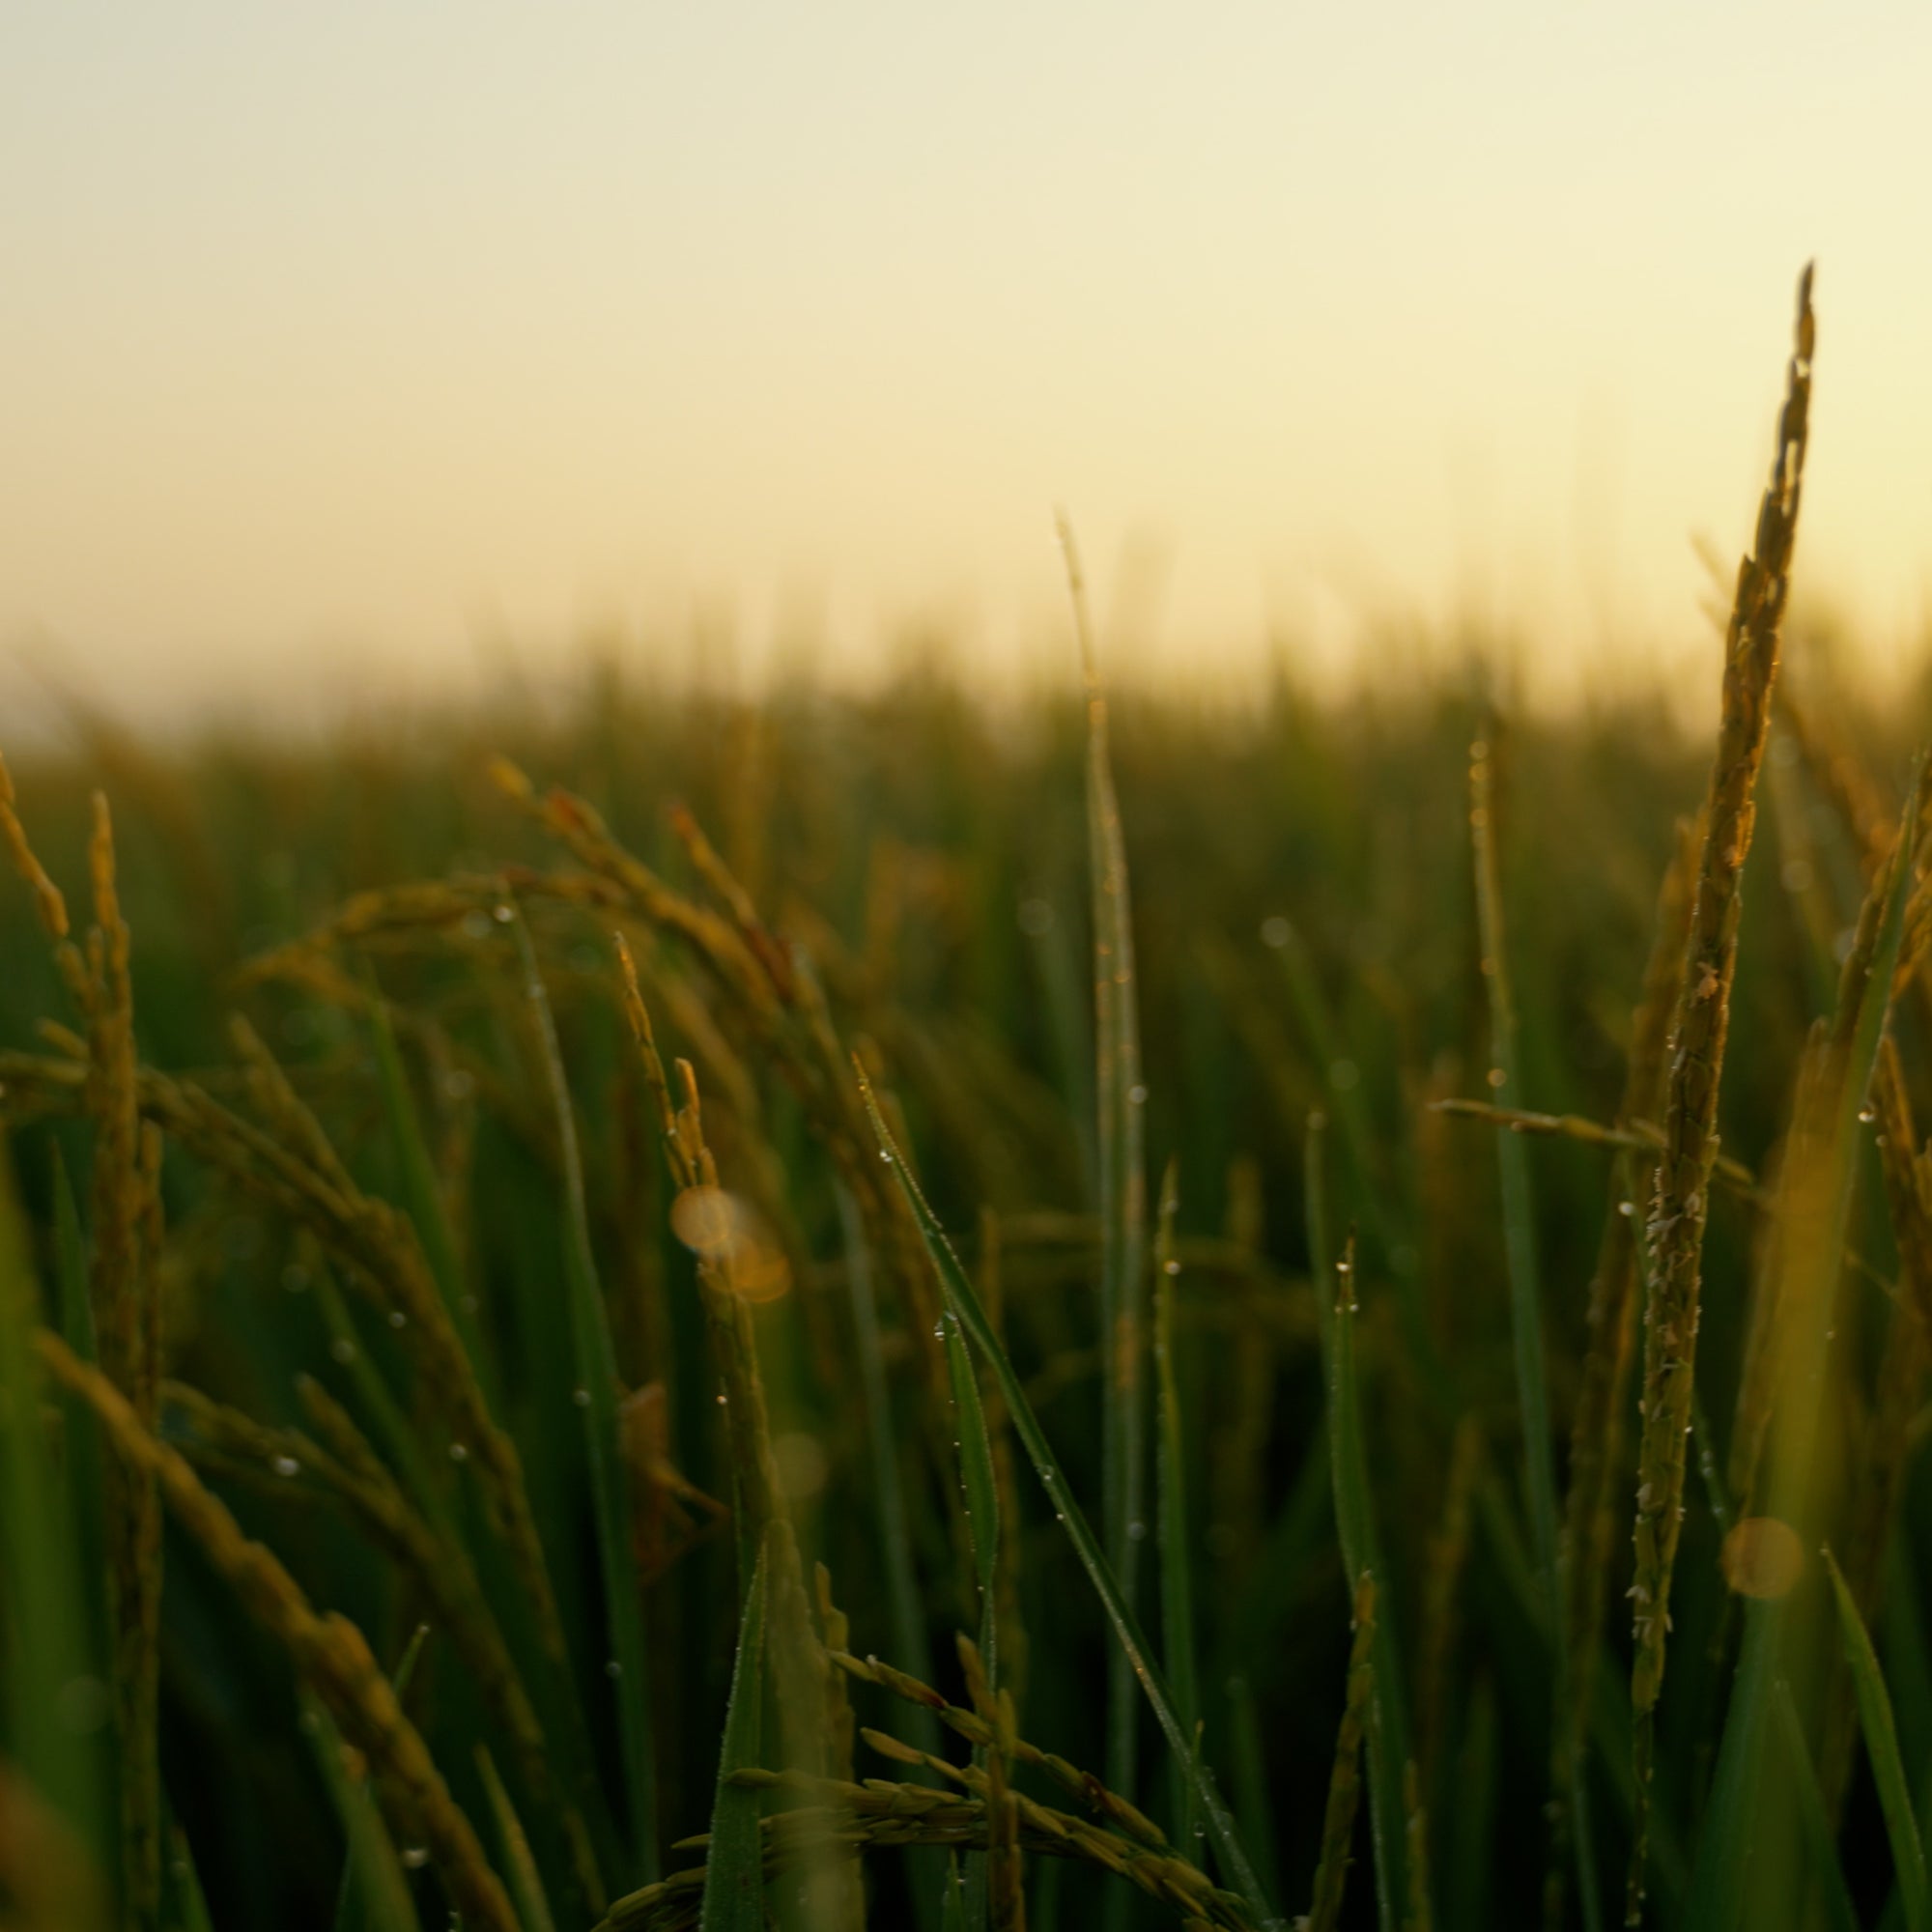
(764, 1305)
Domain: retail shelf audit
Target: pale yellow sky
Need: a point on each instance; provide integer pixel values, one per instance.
(337, 338)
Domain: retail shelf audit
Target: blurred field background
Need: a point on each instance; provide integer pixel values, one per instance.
(704, 1217)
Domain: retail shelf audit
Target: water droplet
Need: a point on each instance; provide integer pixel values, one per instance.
(724, 1401)
(458, 1452)
(342, 1349)
(1496, 1078)
(1137, 1095)
(1173, 1268)
(397, 1318)
(503, 915)
(1276, 932)
(1868, 1115)
(416, 1857)
(1136, 1532)
(1626, 1208)
(285, 1465)
(612, 1668)
(581, 1397)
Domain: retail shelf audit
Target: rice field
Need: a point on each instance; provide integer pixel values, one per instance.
(914, 1310)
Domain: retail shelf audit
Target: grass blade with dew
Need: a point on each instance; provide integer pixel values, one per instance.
(1820, 1840)
(45, 1669)
(1823, 1152)
(1881, 1732)
(735, 1866)
(908, 1622)
(1336, 1304)
(1120, 1111)
(375, 1893)
(422, 1191)
(520, 1866)
(982, 1526)
(1345, 1781)
(964, 1302)
(597, 1395)
(1676, 1227)
(976, 1474)
(1349, 1100)
(1571, 1816)
(906, 1619)
(953, 1917)
(1176, 1547)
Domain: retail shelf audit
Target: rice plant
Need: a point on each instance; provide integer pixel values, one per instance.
(581, 1342)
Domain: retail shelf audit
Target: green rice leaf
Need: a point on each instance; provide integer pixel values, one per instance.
(964, 1302)
(1176, 1593)
(1820, 1839)
(1336, 1306)
(1718, 1882)
(598, 1394)
(520, 1866)
(1881, 1734)
(375, 1890)
(46, 1673)
(734, 1869)
(422, 1191)
(1121, 1117)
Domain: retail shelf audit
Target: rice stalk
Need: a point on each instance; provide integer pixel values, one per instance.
(1344, 1780)
(1675, 1229)
(856, 1819)
(964, 1304)
(1175, 1543)
(329, 1653)
(1120, 1114)
(1822, 1168)
(1881, 1735)
(46, 1635)
(598, 1393)
(1570, 1818)
(525, 1879)
(734, 1881)
(1338, 1303)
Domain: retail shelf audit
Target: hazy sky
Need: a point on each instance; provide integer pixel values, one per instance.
(347, 336)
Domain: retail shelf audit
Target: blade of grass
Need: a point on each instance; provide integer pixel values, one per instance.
(906, 1620)
(1345, 1780)
(1336, 1309)
(422, 1192)
(375, 1890)
(1121, 1105)
(520, 1866)
(734, 1868)
(1828, 1147)
(1820, 1840)
(1349, 1099)
(1572, 1817)
(1176, 1593)
(1248, 1776)
(1895, 1790)
(964, 1302)
(982, 1524)
(48, 1676)
(598, 1393)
